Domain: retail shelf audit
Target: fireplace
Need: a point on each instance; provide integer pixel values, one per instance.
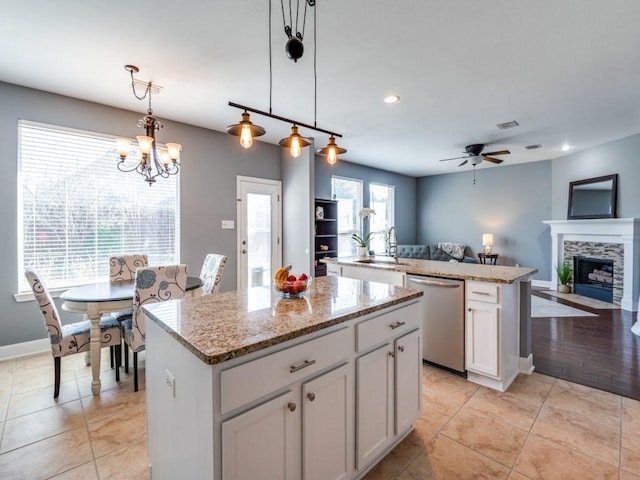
(593, 277)
(616, 239)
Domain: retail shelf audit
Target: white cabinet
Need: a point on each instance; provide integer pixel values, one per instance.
(374, 275)
(389, 394)
(492, 334)
(483, 332)
(327, 426)
(263, 442)
(334, 270)
(292, 410)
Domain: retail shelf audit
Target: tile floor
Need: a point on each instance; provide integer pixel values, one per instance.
(542, 428)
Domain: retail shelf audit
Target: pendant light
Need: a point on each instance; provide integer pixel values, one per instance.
(246, 130)
(332, 150)
(294, 142)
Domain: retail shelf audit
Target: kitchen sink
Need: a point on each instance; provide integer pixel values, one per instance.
(379, 261)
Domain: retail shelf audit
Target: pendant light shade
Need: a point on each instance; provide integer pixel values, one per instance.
(332, 150)
(246, 130)
(294, 142)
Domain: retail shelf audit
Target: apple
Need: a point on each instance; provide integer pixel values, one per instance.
(291, 278)
(298, 286)
(303, 276)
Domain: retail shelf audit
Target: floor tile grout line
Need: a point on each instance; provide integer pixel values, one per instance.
(86, 424)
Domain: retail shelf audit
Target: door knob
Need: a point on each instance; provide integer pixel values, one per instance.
(311, 396)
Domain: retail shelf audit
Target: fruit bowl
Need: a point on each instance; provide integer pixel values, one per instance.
(292, 288)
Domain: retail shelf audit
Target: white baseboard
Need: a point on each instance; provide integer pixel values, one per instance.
(541, 283)
(526, 364)
(25, 348)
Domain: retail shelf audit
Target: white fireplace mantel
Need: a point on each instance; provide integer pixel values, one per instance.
(606, 230)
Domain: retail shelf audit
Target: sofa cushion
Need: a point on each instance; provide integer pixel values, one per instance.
(414, 251)
(438, 254)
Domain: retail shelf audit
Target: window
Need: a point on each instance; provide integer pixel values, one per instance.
(348, 193)
(381, 199)
(76, 209)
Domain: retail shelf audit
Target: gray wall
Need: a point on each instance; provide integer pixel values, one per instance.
(405, 191)
(621, 157)
(508, 201)
(210, 163)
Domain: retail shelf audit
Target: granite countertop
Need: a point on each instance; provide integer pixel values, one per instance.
(434, 268)
(227, 325)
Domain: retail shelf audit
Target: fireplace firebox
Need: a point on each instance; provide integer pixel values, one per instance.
(593, 277)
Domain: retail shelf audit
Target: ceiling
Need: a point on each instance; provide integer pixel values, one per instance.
(567, 71)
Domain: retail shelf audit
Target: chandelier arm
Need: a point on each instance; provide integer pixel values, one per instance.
(283, 119)
(122, 167)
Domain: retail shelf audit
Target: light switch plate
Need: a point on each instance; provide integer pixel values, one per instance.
(228, 224)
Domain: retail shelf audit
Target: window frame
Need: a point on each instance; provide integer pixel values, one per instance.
(391, 208)
(359, 203)
(23, 292)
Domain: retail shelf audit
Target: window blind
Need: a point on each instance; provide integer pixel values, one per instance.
(76, 209)
(381, 199)
(348, 193)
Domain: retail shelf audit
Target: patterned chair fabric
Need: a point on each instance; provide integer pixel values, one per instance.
(123, 268)
(153, 285)
(74, 337)
(211, 274)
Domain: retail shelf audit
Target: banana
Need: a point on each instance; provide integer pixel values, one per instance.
(281, 275)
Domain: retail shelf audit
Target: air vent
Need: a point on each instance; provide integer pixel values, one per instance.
(533, 147)
(507, 125)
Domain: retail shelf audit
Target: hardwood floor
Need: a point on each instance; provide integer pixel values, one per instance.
(600, 351)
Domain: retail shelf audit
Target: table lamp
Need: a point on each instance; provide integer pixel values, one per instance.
(487, 241)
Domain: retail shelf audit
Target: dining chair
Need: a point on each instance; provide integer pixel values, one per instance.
(211, 273)
(152, 285)
(73, 337)
(122, 268)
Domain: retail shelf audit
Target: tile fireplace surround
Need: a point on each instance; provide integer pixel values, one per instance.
(624, 231)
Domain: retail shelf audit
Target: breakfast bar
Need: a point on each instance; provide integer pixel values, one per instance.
(245, 384)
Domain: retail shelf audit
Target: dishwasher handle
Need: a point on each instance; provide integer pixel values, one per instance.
(434, 283)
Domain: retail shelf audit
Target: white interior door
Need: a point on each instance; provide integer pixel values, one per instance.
(259, 230)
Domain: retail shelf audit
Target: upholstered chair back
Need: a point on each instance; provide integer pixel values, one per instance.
(48, 310)
(153, 285)
(123, 268)
(211, 274)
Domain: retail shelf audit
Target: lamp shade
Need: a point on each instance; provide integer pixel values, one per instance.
(246, 130)
(294, 142)
(487, 239)
(331, 151)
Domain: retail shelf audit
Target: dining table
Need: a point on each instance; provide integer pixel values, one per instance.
(95, 299)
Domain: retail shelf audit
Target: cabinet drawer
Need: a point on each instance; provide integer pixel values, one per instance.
(393, 324)
(483, 292)
(250, 381)
(334, 270)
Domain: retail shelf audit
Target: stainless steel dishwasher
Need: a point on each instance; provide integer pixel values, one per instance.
(442, 320)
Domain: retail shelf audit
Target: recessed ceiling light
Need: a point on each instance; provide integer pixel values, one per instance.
(391, 99)
(566, 147)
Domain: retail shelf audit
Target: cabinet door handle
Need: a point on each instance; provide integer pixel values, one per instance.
(391, 354)
(468, 309)
(401, 348)
(291, 406)
(396, 325)
(311, 396)
(305, 364)
(481, 293)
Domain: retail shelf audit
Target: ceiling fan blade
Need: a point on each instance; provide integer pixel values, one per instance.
(463, 163)
(454, 158)
(493, 160)
(499, 152)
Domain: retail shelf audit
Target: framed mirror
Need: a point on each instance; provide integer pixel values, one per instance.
(593, 198)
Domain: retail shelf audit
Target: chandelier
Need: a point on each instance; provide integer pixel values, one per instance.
(294, 49)
(153, 161)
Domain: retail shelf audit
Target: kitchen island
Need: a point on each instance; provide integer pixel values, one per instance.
(496, 305)
(245, 385)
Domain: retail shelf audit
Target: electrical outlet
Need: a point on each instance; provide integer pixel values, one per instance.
(170, 381)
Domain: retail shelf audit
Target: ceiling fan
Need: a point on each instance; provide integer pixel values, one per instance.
(474, 152)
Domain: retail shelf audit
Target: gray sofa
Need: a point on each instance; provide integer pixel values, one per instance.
(428, 252)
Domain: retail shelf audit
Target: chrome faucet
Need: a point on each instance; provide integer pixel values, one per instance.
(392, 243)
